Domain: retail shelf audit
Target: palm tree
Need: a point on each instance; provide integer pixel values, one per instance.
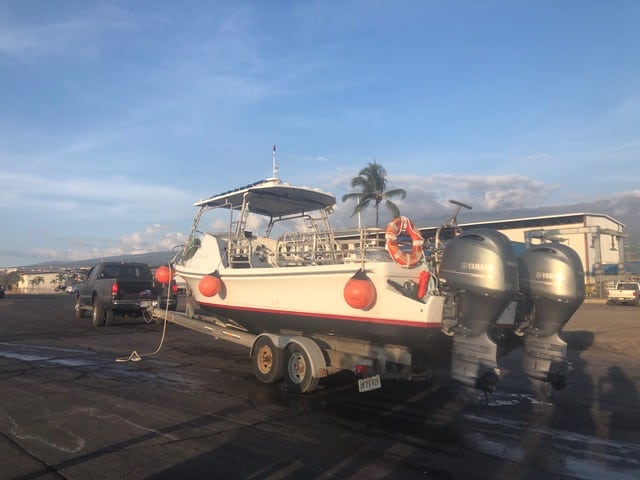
(372, 181)
(36, 281)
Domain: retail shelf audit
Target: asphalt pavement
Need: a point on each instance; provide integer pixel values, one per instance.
(126, 401)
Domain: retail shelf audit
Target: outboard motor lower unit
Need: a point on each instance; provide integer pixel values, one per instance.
(480, 270)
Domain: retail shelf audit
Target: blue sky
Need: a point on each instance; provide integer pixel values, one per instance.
(115, 116)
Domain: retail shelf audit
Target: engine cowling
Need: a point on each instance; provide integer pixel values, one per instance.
(479, 266)
(551, 278)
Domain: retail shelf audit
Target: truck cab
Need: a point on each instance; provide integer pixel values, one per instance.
(624, 293)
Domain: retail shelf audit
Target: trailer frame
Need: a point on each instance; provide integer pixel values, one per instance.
(302, 359)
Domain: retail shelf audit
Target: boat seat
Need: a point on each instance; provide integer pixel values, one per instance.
(264, 248)
(286, 256)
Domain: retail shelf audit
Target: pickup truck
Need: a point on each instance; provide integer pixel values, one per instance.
(624, 293)
(122, 288)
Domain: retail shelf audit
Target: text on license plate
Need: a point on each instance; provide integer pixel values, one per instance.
(369, 383)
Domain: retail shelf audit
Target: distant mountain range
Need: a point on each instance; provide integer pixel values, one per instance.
(153, 259)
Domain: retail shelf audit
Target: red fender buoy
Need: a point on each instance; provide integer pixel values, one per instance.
(359, 291)
(164, 274)
(209, 285)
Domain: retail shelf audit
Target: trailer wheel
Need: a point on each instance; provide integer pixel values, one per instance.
(97, 317)
(78, 310)
(299, 377)
(267, 361)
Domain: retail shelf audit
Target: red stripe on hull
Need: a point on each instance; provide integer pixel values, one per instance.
(347, 318)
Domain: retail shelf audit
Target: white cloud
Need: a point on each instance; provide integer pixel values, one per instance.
(538, 157)
(153, 238)
(428, 196)
(79, 34)
(24, 190)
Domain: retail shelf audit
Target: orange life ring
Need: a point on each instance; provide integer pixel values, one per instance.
(395, 228)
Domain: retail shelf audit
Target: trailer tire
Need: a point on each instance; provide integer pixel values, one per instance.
(298, 372)
(268, 365)
(97, 316)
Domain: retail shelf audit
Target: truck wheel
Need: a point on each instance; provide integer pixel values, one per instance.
(79, 311)
(267, 361)
(299, 377)
(98, 317)
(108, 317)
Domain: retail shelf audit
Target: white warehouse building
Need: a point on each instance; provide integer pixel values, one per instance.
(597, 238)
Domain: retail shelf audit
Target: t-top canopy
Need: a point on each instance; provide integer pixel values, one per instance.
(272, 198)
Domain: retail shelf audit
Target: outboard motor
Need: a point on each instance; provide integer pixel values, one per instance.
(479, 267)
(552, 281)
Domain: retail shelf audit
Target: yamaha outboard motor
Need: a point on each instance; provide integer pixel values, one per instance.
(552, 281)
(479, 267)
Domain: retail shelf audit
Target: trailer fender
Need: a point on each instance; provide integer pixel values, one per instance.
(316, 357)
(280, 341)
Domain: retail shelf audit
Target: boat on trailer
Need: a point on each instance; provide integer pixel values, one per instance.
(309, 301)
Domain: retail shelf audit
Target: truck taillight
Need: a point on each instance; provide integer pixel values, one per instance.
(114, 288)
(174, 288)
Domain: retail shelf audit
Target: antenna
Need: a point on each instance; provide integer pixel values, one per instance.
(275, 165)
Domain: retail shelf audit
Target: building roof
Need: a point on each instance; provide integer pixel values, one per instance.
(537, 221)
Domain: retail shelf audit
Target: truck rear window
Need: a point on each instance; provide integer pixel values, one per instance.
(627, 286)
(127, 272)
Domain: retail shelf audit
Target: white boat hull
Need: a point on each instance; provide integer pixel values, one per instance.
(311, 299)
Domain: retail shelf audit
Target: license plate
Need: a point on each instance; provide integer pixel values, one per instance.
(369, 383)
